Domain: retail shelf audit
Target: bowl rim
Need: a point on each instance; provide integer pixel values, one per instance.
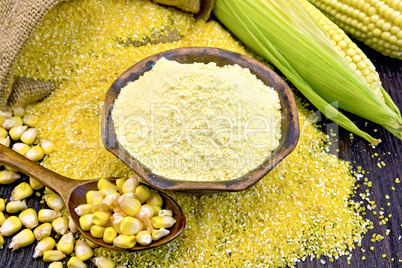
(263, 72)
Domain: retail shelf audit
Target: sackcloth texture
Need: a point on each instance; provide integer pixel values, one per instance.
(19, 20)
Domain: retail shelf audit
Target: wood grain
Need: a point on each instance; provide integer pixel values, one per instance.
(359, 152)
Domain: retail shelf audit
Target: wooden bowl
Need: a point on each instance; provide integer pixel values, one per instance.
(289, 124)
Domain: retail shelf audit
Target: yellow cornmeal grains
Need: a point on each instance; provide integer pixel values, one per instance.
(301, 209)
(198, 122)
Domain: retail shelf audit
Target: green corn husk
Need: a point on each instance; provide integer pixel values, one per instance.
(283, 32)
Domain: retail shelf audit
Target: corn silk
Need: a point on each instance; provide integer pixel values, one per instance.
(302, 208)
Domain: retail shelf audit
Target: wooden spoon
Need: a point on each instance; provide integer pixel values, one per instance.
(73, 193)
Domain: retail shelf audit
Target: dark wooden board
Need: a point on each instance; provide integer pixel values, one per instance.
(359, 152)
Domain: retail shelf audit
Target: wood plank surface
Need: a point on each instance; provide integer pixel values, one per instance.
(356, 150)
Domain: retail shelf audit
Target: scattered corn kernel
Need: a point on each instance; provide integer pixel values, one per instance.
(21, 191)
(53, 255)
(1, 241)
(19, 111)
(47, 243)
(54, 201)
(142, 193)
(144, 238)
(29, 136)
(7, 177)
(90, 196)
(119, 182)
(71, 226)
(35, 153)
(36, 185)
(163, 222)
(130, 205)
(22, 239)
(16, 132)
(103, 262)
(30, 120)
(83, 209)
(60, 225)
(2, 205)
(66, 243)
(47, 146)
(2, 218)
(10, 226)
(29, 218)
(159, 233)
(16, 206)
(42, 231)
(130, 225)
(3, 131)
(74, 262)
(5, 141)
(83, 251)
(11, 122)
(21, 148)
(155, 199)
(56, 264)
(48, 215)
(129, 185)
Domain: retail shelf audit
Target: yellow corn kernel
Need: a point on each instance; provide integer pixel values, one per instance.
(36, 185)
(1, 241)
(35, 153)
(29, 218)
(42, 231)
(2, 205)
(129, 205)
(125, 241)
(86, 222)
(129, 185)
(20, 148)
(101, 217)
(30, 120)
(15, 206)
(21, 191)
(142, 193)
(102, 182)
(97, 231)
(83, 209)
(71, 226)
(103, 262)
(18, 111)
(109, 202)
(54, 201)
(157, 209)
(60, 225)
(45, 244)
(163, 222)
(22, 239)
(130, 225)
(83, 251)
(159, 233)
(74, 262)
(3, 131)
(96, 200)
(108, 189)
(16, 132)
(2, 218)
(89, 196)
(47, 146)
(11, 122)
(155, 199)
(7, 177)
(91, 244)
(53, 255)
(5, 141)
(109, 235)
(144, 238)
(29, 136)
(48, 215)
(56, 264)
(145, 214)
(6, 114)
(165, 212)
(66, 243)
(116, 220)
(119, 182)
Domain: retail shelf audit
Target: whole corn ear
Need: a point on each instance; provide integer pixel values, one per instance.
(275, 28)
(376, 23)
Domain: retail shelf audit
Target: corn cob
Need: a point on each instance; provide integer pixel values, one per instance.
(376, 23)
(317, 68)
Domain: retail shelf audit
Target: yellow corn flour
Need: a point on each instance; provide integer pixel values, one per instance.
(198, 121)
(301, 209)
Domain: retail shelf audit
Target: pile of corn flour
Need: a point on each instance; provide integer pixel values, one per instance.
(198, 121)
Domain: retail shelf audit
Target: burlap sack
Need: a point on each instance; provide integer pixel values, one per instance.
(18, 21)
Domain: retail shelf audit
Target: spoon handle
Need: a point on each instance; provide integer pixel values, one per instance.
(56, 182)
